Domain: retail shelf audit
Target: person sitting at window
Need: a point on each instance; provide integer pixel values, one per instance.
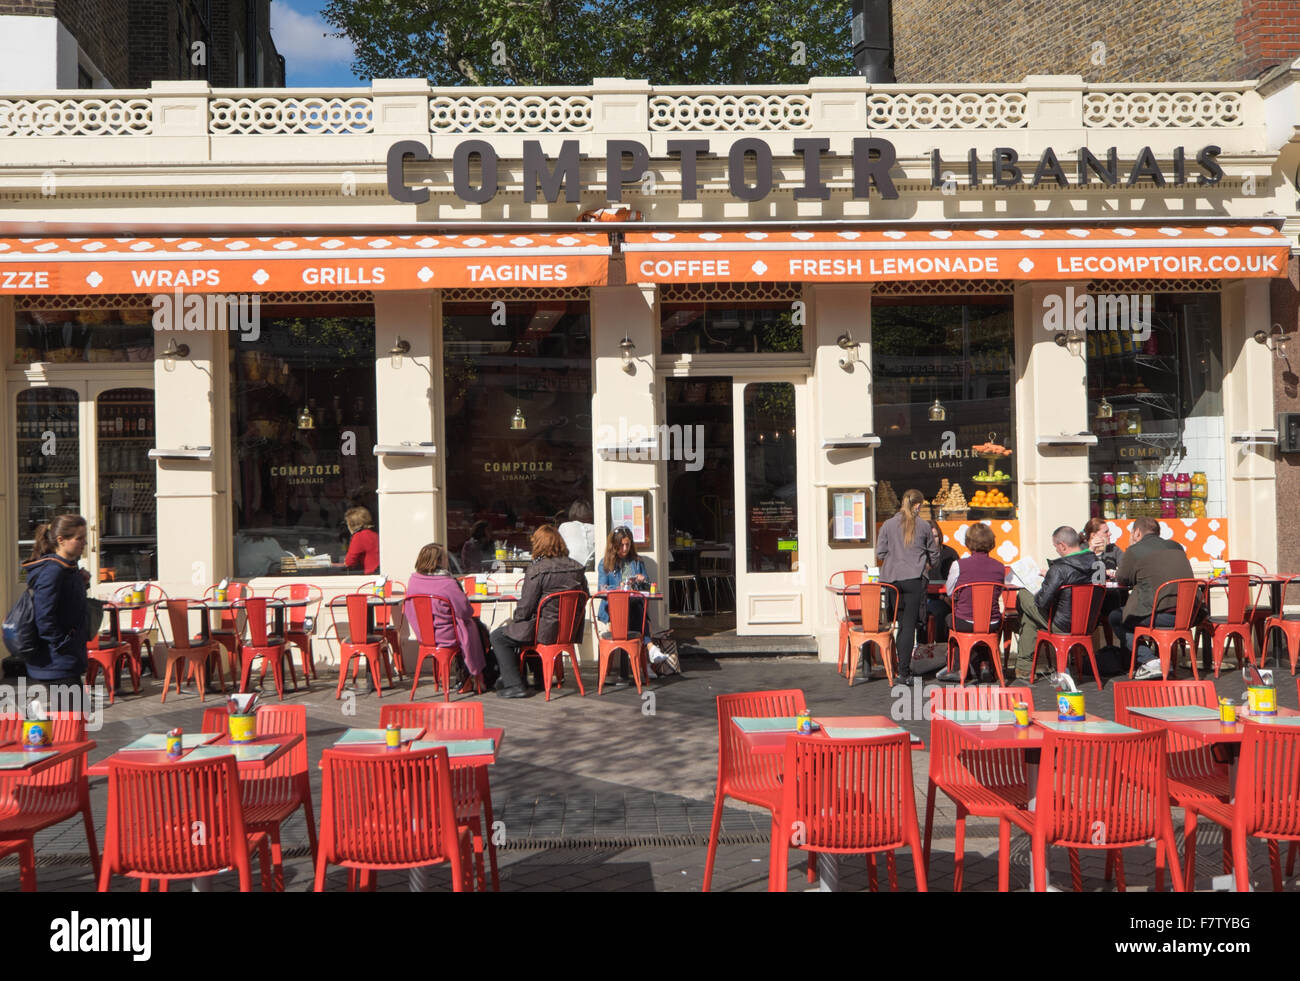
(551, 571)
(257, 552)
(621, 569)
(476, 550)
(433, 578)
(978, 567)
(579, 533)
(363, 550)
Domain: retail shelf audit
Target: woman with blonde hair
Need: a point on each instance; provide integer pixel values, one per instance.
(363, 550)
(907, 546)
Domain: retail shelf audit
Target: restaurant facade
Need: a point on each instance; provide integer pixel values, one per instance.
(228, 317)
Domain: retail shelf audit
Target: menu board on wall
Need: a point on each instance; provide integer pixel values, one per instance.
(850, 516)
(631, 509)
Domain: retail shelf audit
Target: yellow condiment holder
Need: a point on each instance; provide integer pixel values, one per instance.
(1261, 700)
(243, 728)
(37, 733)
(1069, 706)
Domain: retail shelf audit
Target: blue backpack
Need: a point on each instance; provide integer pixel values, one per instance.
(20, 627)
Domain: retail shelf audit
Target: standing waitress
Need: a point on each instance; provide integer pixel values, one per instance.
(907, 545)
(59, 600)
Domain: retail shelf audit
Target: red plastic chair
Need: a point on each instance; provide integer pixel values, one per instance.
(1266, 801)
(571, 606)
(141, 623)
(742, 774)
(1106, 792)
(849, 604)
(983, 602)
(270, 797)
(1085, 613)
(390, 812)
(426, 625)
(1193, 775)
(107, 652)
(192, 653)
(153, 811)
(982, 783)
(625, 636)
(846, 797)
(300, 625)
(388, 621)
(469, 784)
(358, 644)
(32, 802)
(262, 645)
(873, 627)
(229, 631)
(1289, 626)
(1192, 602)
(1242, 620)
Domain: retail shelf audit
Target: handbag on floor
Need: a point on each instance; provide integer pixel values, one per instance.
(666, 643)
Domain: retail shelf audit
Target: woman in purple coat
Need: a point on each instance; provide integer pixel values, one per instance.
(432, 578)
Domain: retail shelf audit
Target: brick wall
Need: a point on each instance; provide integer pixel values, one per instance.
(1267, 34)
(152, 36)
(100, 27)
(27, 8)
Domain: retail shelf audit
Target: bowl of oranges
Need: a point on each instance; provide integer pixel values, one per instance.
(990, 499)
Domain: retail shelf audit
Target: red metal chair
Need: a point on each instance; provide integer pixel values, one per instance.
(1266, 801)
(300, 625)
(1101, 792)
(358, 644)
(426, 626)
(1193, 775)
(30, 803)
(873, 627)
(846, 797)
(1192, 602)
(625, 636)
(261, 644)
(107, 652)
(390, 812)
(270, 797)
(571, 605)
(1242, 620)
(849, 602)
(388, 621)
(141, 623)
(1250, 566)
(229, 631)
(192, 653)
(742, 774)
(153, 814)
(1085, 613)
(984, 601)
(1289, 626)
(982, 783)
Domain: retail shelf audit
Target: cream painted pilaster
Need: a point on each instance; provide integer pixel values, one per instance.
(1051, 398)
(407, 400)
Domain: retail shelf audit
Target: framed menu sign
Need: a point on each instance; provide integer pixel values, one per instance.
(851, 521)
(632, 509)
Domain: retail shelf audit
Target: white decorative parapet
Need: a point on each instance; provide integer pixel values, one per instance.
(1127, 107)
(922, 108)
(510, 114)
(76, 117)
(292, 115)
(706, 112)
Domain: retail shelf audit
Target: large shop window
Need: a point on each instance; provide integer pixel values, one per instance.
(517, 383)
(1155, 400)
(731, 327)
(771, 468)
(83, 336)
(944, 400)
(304, 432)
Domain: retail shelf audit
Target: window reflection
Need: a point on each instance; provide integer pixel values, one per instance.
(726, 327)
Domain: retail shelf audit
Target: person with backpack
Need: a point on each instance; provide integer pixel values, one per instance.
(57, 655)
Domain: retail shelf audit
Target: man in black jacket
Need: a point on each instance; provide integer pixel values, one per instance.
(1075, 567)
(1149, 562)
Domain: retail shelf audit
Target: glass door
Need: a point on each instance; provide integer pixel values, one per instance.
(125, 486)
(48, 463)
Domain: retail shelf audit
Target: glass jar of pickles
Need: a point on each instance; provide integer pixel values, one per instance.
(1184, 505)
(1168, 507)
(1123, 484)
(1184, 486)
(1168, 484)
(1121, 507)
(1200, 486)
(1198, 508)
(1138, 488)
(1133, 424)
(1108, 485)
(1153, 486)
(1108, 507)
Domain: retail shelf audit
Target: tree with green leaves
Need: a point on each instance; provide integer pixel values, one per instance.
(570, 42)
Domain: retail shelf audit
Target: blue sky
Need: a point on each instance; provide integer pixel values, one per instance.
(311, 58)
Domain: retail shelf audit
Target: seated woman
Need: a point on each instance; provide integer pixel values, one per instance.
(363, 549)
(978, 567)
(550, 572)
(433, 578)
(621, 569)
(1096, 537)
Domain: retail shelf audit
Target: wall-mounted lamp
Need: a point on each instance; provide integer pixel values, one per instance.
(1072, 339)
(847, 344)
(1275, 340)
(628, 349)
(397, 352)
(172, 352)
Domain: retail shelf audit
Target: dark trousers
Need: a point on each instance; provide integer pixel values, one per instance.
(937, 607)
(911, 600)
(506, 651)
(1124, 627)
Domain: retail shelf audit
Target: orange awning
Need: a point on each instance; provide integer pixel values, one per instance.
(296, 263)
(1031, 252)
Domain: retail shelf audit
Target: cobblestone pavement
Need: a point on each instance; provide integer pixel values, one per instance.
(616, 792)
